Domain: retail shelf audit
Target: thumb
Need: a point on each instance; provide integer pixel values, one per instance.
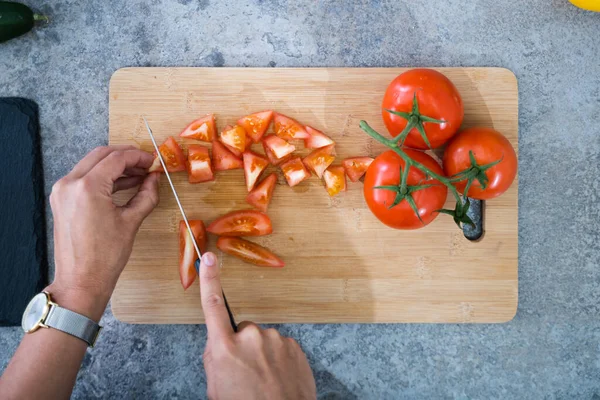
(213, 305)
(146, 199)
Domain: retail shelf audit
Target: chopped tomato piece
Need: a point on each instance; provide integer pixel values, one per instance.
(249, 252)
(288, 128)
(294, 171)
(242, 223)
(320, 159)
(356, 167)
(277, 147)
(256, 124)
(335, 179)
(201, 129)
(187, 251)
(234, 138)
(198, 164)
(172, 156)
(272, 159)
(317, 139)
(254, 165)
(223, 159)
(261, 196)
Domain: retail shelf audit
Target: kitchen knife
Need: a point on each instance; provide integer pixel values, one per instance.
(187, 224)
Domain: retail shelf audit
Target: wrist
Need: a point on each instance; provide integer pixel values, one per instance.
(89, 303)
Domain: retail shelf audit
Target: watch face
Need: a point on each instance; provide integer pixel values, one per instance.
(35, 312)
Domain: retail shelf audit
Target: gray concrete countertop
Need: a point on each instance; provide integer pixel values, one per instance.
(552, 347)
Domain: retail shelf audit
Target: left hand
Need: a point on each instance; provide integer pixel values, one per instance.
(93, 238)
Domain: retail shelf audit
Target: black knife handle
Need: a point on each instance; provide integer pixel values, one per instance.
(231, 318)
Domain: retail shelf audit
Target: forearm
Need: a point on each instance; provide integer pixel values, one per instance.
(47, 361)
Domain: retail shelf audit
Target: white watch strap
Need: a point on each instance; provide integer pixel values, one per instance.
(74, 324)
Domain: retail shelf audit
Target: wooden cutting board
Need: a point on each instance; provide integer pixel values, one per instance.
(342, 264)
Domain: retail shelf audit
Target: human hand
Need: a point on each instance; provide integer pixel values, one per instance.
(93, 237)
(252, 363)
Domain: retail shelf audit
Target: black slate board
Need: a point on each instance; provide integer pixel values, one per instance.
(23, 253)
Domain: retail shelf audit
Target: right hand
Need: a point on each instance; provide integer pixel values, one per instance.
(252, 363)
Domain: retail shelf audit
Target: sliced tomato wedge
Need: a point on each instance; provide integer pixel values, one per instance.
(335, 179)
(261, 195)
(320, 159)
(288, 128)
(187, 252)
(242, 223)
(223, 159)
(277, 147)
(294, 171)
(172, 156)
(201, 129)
(198, 164)
(356, 167)
(317, 139)
(249, 252)
(254, 165)
(234, 138)
(256, 124)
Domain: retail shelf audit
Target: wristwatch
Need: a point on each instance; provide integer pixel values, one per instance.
(43, 312)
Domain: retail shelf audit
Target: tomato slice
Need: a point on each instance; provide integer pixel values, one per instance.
(187, 252)
(278, 147)
(223, 159)
(249, 252)
(356, 167)
(198, 164)
(320, 159)
(242, 223)
(172, 156)
(201, 129)
(294, 171)
(254, 165)
(317, 139)
(234, 138)
(335, 179)
(256, 124)
(261, 196)
(288, 128)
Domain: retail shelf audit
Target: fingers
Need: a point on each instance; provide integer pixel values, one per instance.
(94, 157)
(146, 199)
(127, 182)
(115, 164)
(245, 324)
(211, 293)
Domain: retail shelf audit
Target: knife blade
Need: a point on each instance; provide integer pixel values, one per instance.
(187, 224)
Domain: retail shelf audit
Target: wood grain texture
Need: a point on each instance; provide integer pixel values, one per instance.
(342, 264)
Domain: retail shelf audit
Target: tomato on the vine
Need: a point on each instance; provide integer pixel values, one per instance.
(428, 195)
(439, 111)
(487, 146)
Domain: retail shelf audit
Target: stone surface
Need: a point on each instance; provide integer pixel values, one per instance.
(552, 347)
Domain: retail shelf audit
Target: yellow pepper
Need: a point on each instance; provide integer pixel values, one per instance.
(592, 5)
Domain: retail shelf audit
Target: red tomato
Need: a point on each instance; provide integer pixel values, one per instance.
(201, 129)
(384, 171)
(356, 167)
(249, 252)
(320, 159)
(487, 146)
(261, 195)
(277, 147)
(335, 179)
(317, 139)
(234, 139)
(254, 165)
(437, 98)
(242, 223)
(288, 128)
(294, 171)
(187, 252)
(172, 156)
(256, 124)
(223, 159)
(198, 164)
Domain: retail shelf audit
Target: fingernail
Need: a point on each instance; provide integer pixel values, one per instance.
(209, 260)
